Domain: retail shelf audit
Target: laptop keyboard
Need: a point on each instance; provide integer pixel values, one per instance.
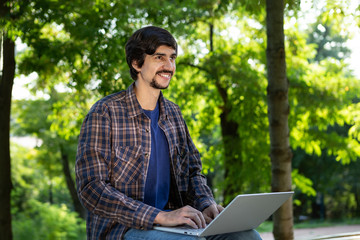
(188, 228)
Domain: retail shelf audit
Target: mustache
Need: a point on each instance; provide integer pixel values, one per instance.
(165, 71)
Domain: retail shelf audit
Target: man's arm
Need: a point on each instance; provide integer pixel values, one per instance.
(199, 191)
(92, 175)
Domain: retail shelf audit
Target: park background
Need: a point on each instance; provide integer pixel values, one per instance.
(70, 54)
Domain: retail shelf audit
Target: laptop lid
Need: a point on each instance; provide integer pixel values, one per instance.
(244, 212)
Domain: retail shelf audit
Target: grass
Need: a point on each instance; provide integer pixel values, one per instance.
(268, 225)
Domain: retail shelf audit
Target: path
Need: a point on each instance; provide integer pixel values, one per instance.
(312, 233)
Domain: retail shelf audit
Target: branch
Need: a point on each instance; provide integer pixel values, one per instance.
(194, 66)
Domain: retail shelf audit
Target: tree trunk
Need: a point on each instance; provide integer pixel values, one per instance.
(356, 189)
(6, 83)
(232, 160)
(70, 184)
(278, 111)
(231, 139)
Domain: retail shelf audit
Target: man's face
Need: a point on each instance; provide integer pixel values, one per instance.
(158, 68)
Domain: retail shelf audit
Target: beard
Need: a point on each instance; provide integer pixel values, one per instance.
(155, 84)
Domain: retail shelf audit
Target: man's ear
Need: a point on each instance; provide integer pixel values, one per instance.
(135, 65)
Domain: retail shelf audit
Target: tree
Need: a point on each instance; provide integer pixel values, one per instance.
(220, 82)
(41, 119)
(278, 111)
(5, 99)
(7, 60)
(329, 33)
(333, 128)
(229, 98)
(97, 56)
(16, 20)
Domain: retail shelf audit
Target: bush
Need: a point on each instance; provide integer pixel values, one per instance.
(48, 222)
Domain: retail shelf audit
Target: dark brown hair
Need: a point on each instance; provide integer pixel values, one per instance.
(145, 41)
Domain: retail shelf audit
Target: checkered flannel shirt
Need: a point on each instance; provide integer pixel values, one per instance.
(112, 162)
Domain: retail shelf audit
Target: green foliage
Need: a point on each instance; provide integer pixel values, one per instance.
(32, 119)
(25, 175)
(329, 33)
(328, 84)
(32, 179)
(246, 97)
(77, 50)
(68, 112)
(29, 117)
(302, 184)
(337, 183)
(322, 90)
(51, 222)
(33, 216)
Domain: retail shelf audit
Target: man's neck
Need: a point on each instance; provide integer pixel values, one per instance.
(147, 96)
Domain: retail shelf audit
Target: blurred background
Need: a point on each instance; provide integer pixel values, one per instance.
(69, 54)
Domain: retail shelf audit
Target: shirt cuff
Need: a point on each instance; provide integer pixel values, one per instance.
(144, 217)
(203, 204)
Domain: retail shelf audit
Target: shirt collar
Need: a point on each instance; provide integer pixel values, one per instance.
(134, 108)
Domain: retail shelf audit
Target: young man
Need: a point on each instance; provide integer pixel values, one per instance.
(136, 164)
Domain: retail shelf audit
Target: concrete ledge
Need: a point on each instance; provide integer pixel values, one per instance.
(342, 236)
(340, 232)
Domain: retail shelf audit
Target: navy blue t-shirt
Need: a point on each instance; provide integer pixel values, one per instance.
(157, 185)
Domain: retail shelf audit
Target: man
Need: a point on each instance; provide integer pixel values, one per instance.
(136, 165)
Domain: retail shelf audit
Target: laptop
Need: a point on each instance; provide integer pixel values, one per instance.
(244, 212)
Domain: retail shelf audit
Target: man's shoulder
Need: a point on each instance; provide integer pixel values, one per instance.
(171, 104)
(109, 101)
(114, 97)
(172, 108)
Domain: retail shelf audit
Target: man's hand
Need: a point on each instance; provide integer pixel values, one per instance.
(211, 212)
(185, 215)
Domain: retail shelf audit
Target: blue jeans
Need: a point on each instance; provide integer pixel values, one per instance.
(135, 234)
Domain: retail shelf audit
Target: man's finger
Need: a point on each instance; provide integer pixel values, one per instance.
(207, 219)
(220, 208)
(191, 223)
(197, 217)
(203, 221)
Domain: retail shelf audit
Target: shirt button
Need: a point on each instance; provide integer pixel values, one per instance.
(146, 154)
(147, 130)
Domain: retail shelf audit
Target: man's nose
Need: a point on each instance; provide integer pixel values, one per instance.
(169, 64)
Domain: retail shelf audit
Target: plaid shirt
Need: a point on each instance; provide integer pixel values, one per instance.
(112, 162)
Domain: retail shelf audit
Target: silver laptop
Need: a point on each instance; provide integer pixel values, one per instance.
(244, 212)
